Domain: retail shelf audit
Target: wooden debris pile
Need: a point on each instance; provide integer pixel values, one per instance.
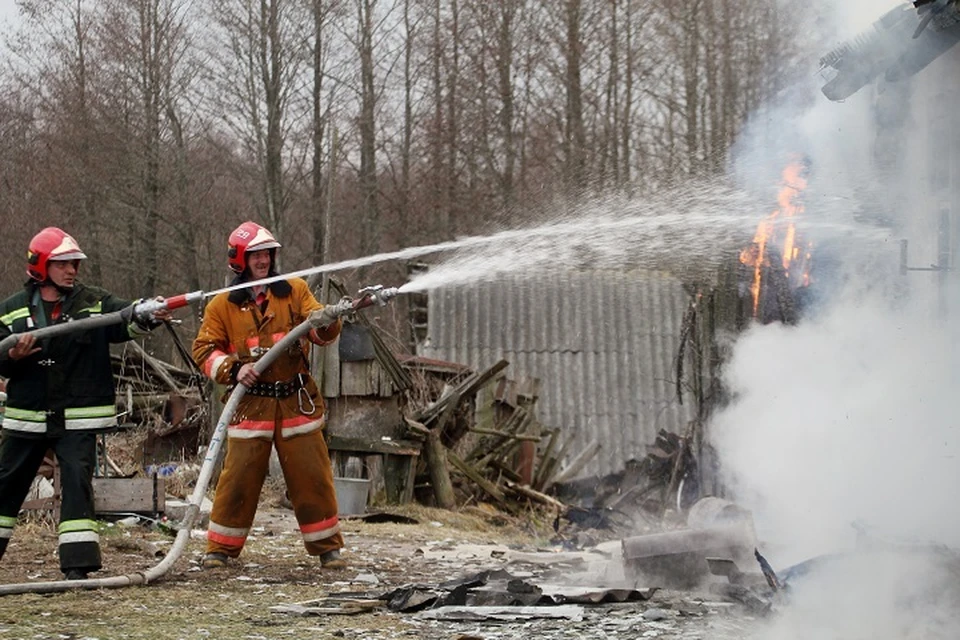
(664, 481)
(482, 441)
(170, 401)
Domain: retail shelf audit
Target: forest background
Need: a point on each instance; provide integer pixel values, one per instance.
(150, 128)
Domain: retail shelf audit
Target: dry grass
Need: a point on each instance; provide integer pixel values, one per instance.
(235, 602)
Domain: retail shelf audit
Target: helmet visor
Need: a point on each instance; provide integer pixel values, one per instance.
(70, 255)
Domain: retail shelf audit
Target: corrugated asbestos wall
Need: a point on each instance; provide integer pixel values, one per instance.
(602, 343)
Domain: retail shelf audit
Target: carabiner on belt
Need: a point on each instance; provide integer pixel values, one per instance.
(302, 394)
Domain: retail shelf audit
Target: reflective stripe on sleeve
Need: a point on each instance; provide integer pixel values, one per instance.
(98, 417)
(135, 331)
(213, 362)
(82, 424)
(95, 309)
(9, 318)
(24, 420)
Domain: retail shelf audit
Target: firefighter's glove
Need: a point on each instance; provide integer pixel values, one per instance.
(147, 314)
(330, 313)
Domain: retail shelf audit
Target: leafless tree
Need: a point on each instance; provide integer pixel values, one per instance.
(451, 116)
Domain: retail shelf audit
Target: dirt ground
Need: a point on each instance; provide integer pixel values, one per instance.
(237, 602)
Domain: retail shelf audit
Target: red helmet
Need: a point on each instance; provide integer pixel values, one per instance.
(248, 237)
(50, 244)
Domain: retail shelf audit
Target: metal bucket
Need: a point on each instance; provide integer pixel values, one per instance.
(351, 495)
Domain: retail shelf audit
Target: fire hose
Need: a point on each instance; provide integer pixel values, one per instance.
(141, 310)
(367, 297)
(144, 309)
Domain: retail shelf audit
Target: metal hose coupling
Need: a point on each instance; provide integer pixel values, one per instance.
(143, 310)
(375, 295)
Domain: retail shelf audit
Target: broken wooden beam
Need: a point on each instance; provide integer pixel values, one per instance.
(435, 455)
(503, 434)
(474, 475)
(533, 494)
(467, 388)
(576, 465)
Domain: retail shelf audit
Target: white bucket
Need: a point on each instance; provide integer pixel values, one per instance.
(351, 495)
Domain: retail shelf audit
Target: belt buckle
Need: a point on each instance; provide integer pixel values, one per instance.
(277, 388)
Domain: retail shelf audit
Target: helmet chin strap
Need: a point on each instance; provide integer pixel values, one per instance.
(63, 291)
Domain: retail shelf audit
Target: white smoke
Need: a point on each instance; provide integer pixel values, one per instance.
(847, 422)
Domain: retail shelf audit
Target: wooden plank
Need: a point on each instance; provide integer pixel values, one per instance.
(398, 474)
(385, 382)
(581, 460)
(494, 432)
(527, 492)
(469, 386)
(360, 378)
(329, 361)
(492, 490)
(139, 495)
(377, 493)
(360, 445)
(368, 418)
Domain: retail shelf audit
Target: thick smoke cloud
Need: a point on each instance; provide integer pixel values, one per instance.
(843, 432)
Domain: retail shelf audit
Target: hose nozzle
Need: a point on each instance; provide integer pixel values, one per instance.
(144, 309)
(375, 295)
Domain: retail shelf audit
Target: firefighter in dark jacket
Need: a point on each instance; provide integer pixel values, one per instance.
(60, 392)
(281, 408)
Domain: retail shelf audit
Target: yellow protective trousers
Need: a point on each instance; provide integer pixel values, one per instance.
(309, 477)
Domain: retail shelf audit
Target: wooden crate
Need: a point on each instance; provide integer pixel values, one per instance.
(128, 495)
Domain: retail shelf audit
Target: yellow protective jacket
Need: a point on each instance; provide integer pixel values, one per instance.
(235, 331)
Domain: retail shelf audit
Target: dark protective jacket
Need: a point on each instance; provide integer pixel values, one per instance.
(235, 331)
(68, 384)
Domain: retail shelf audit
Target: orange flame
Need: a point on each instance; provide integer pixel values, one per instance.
(779, 230)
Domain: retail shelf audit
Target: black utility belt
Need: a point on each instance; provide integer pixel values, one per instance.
(279, 389)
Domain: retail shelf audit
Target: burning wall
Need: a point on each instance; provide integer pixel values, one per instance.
(776, 265)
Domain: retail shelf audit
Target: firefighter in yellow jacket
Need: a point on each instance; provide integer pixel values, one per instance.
(282, 406)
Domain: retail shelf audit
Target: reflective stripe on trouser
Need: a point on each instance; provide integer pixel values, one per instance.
(78, 539)
(309, 478)
(6, 532)
(76, 452)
